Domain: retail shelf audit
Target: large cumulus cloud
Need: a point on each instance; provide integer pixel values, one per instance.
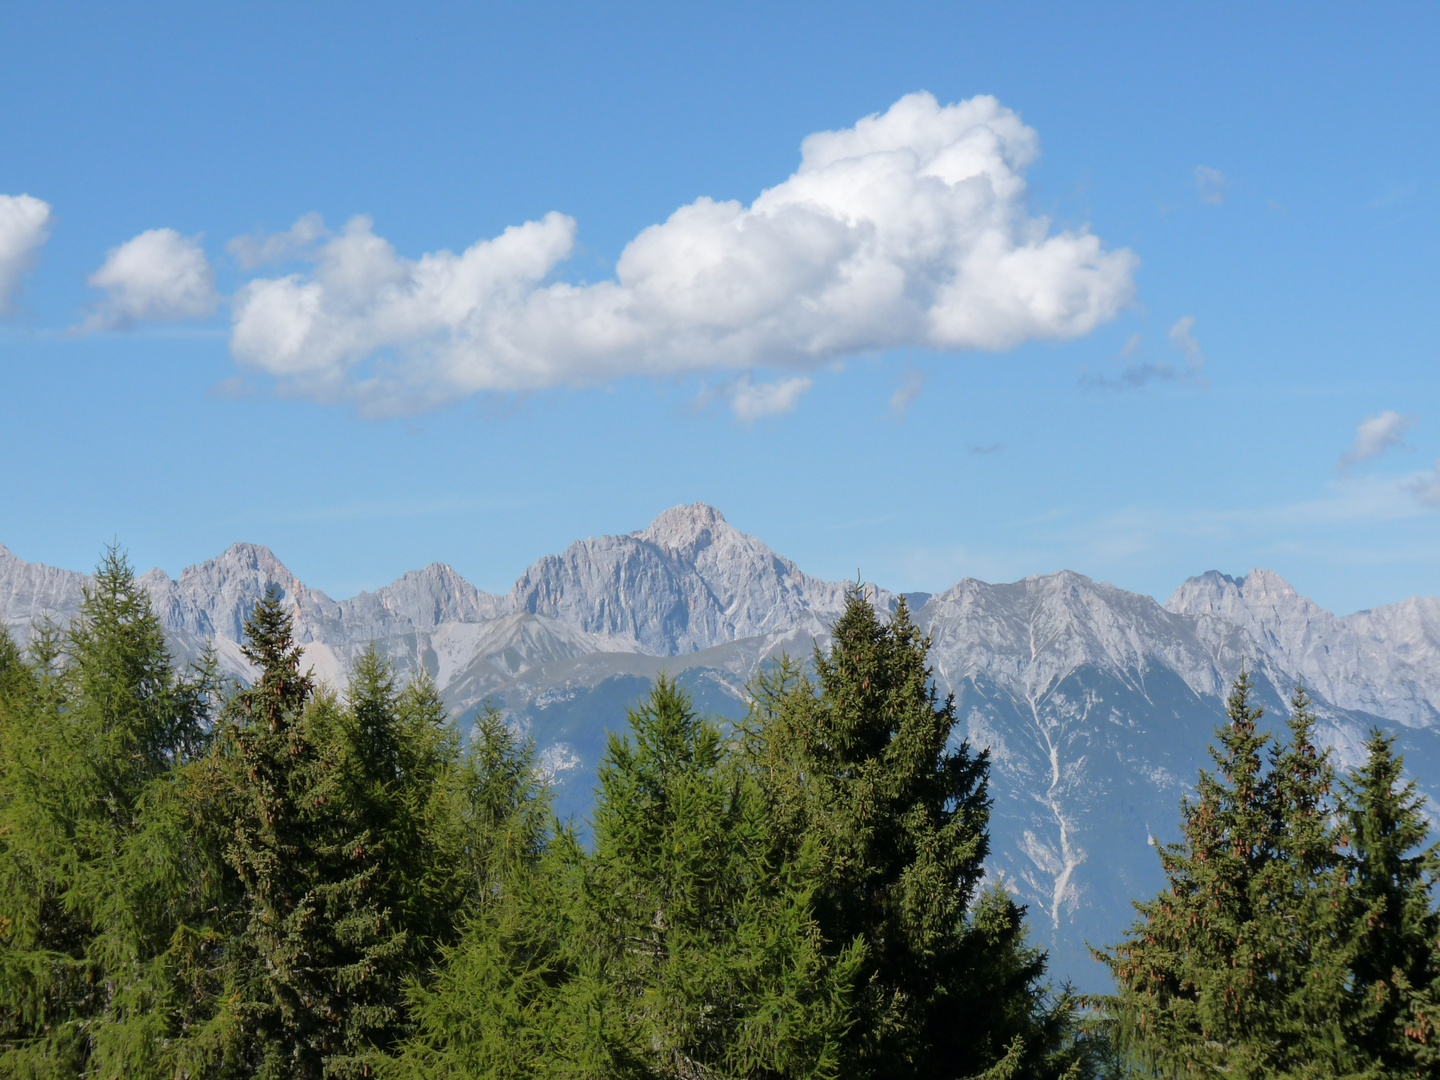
(908, 229)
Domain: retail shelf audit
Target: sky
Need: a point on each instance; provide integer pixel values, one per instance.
(915, 291)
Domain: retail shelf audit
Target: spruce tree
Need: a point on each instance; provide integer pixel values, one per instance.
(313, 939)
(864, 766)
(1393, 1011)
(1301, 941)
(1237, 968)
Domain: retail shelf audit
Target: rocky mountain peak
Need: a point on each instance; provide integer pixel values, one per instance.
(1214, 593)
(1262, 604)
(245, 557)
(424, 599)
(685, 527)
(1266, 585)
(1205, 594)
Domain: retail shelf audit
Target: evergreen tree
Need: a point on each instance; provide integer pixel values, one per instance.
(863, 767)
(313, 935)
(520, 996)
(1393, 1011)
(403, 780)
(680, 948)
(501, 1002)
(1237, 966)
(16, 676)
(1302, 942)
(96, 877)
(505, 805)
(712, 950)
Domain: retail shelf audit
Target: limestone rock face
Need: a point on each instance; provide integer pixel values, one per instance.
(30, 592)
(687, 582)
(1033, 633)
(1384, 661)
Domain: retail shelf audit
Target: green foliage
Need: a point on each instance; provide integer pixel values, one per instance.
(862, 768)
(1393, 1007)
(712, 950)
(348, 849)
(1272, 953)
(505, 804)
(250, 890)
(95, 878)
(680, 947)
(498, 1004)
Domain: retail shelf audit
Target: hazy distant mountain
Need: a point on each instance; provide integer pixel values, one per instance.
(1096, 704)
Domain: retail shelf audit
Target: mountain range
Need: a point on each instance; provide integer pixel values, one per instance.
(1096, 704)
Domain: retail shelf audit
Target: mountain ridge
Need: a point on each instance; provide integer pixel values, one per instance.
(1095, 703)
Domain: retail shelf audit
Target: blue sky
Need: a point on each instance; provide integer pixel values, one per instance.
(1185, 321)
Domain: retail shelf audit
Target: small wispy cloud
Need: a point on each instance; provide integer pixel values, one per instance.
(1182, 336)
(1211, 183)
(751, 401)
(912, 381)
(24, 228)
(1374, 435)
(158, 276)
(1393, 195)
(261, 248)
(234, 388)
(987, 448)
(1426, 486)
(1137, 374)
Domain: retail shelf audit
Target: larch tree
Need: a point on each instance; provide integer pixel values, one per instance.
(713, 952)
(97, 877)
(499, 1005)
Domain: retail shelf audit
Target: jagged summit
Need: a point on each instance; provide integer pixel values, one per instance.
(685, 526)
(1213, 592)
(427, 599)
(687, 582)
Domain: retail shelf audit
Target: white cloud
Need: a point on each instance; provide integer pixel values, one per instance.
(912, 381)
(1426, 486)
(1211, 184)
(260, 248)
(159, 276)
(753, 401)
(908, 229)
(1374, 435)
(24, 227)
